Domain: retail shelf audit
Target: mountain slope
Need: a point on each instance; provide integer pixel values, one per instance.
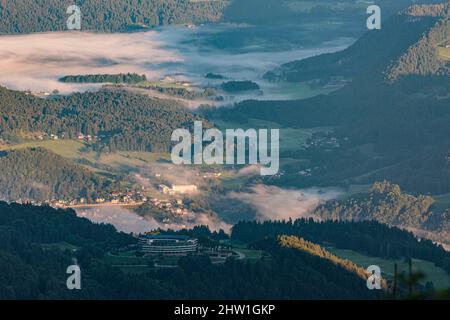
(38, 174)
(25, 16)
(408, 40)
(121, 120)
(394, 130)
(367, 237)
(422, 58)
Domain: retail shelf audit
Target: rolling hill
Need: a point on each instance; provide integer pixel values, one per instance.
(409, 47)
(38, 174)
(115, 120)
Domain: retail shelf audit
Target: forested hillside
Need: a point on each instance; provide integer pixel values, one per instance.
(386, 204)
(35, 263)
(365, 58)
(119, 120)
(38, 174)
(384, 130)
(315, 249)
(422, 58)
(25, 16)
(367, 237)
(397, 132)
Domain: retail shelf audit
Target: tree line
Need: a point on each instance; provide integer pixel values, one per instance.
(34, 262)
(369, 237)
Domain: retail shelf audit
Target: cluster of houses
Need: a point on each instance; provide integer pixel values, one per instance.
(87, 138)
(307, 172)
(174, 206)
(323, 141)
(47, 136)
(57, 136)
(80, 136)
(127, 197)
(115, 197)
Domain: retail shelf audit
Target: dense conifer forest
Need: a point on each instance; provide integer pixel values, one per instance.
(25, 16)
(117, 119)
(368, 237)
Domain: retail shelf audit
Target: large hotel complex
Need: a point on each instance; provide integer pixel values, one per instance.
(168, 244)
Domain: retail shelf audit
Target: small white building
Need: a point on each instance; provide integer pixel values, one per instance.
(182, 189)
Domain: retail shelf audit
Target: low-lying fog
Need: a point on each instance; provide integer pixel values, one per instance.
(269, 202)
(35, 62)
(128, 221)
(274, 203)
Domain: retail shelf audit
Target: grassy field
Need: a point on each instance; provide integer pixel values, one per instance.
(119, 162)
(249, 253)
(60, 245)
(243, 250)
(290, 138)
(71, 149)
(162, 84)
(432, 273)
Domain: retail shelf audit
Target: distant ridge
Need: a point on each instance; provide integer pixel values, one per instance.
(406, 45)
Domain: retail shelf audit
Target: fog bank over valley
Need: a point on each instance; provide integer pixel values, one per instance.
(36, 61)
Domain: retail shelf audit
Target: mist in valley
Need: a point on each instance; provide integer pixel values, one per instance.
(36, 61)
(274, 203)
(128, 221)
